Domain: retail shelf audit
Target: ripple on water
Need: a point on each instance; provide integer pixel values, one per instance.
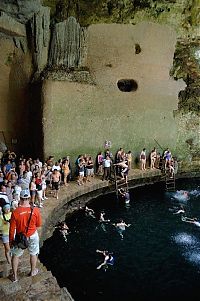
(193, 256)
(185, 239)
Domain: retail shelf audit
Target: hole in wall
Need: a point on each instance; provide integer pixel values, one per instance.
(127, 85)
(137, 49)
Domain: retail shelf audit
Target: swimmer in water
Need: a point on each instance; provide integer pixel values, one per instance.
(121, 227)
(125, 195)
(181, 210)
(108, 260)
(181, 195)
(102, 219)
(64, 229)
(193, 220)
(102, 222)
(89, 212)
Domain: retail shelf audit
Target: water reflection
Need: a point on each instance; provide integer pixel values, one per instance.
(185, 239)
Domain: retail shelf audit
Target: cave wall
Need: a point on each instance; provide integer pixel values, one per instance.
(81, 116)
(15, 74)
(155, 43)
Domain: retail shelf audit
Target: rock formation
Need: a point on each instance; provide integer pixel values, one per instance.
(68, 44)
(58, 40)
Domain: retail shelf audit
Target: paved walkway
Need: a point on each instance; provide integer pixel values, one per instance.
(44, 286)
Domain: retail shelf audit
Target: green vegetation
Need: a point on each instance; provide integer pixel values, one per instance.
(111, 11)
(187, 66)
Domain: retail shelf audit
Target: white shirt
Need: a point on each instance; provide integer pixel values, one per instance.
(56, 167)
(4, 196)
(29, 175)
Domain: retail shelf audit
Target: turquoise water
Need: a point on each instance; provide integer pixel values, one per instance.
(159, 257)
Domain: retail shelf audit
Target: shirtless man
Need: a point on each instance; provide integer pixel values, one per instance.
(121, 227)
(55, 180)
(153, 157)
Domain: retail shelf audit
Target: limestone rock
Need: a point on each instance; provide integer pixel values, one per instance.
(40, 37)
(21, 43)
(69, 44)
(22, 10)
(11, 27)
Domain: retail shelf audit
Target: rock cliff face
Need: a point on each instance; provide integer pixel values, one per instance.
(62, 48)
(68, 45)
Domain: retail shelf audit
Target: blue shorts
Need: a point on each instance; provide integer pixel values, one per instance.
(5, 239)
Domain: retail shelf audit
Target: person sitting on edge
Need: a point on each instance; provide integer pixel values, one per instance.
(108, 259)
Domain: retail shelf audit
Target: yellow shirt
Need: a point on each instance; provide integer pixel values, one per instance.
(5, 225)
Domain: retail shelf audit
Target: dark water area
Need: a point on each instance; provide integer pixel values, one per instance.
(158, 259)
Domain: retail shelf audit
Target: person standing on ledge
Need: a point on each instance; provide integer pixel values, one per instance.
(19, 222)
(143, 159)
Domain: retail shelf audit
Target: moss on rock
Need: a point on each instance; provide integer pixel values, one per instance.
(187, 66)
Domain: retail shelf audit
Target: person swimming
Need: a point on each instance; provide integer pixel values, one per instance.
(102, 218)
(181, 195)
(125, 195)
(193, 220)
(89, 212)
(108, 260)
(103, 221)
(180, 210)
(121, 227)
(64, 229)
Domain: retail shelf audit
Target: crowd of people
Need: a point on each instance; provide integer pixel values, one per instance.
(20, 174)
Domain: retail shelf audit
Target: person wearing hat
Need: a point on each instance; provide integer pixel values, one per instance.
(19, 222)
(5, 225)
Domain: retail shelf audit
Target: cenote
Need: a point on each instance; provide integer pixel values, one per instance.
(158, 259)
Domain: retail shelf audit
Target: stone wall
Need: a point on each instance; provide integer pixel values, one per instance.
(81, 116)
(15, 74)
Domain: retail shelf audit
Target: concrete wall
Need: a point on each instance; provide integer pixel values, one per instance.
(78, 118)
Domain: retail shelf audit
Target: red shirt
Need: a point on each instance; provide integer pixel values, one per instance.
(19, 221)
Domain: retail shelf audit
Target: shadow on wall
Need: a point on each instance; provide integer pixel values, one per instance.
(18, 103)
(36, 136)
(24, 116)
